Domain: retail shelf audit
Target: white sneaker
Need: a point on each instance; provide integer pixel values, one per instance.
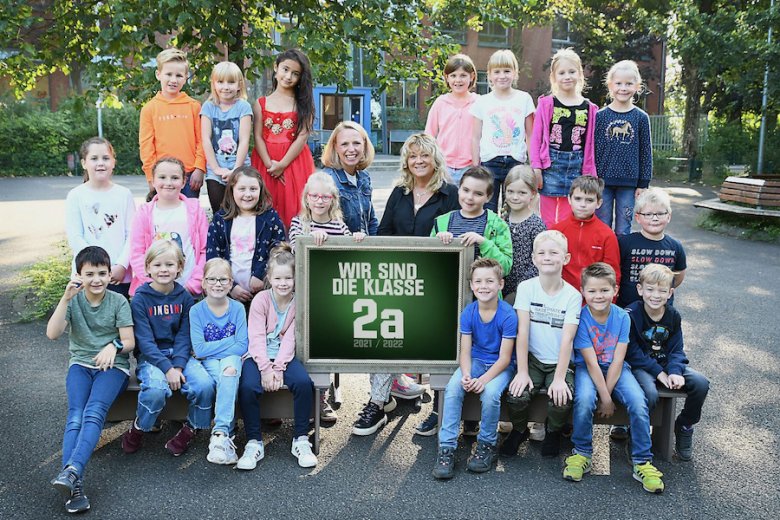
(254, 451)
(221, 449)
(537, 432)
(504, 427)
(301, 448)
(404, 388)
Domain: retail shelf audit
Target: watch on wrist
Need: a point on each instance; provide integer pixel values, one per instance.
(118, 344)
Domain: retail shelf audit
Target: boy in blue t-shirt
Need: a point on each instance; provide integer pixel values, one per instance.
(601, 373)
(488, 327)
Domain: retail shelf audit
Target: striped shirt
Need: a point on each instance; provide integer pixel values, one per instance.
(332, 227)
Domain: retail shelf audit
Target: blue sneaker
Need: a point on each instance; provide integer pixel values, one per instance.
(429, 427)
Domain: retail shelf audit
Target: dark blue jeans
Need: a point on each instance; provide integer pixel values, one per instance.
(499, 167)
(696, 385)
(250, 387)
(91, 392)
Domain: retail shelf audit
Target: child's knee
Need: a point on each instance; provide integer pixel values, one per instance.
(519, 402)
(230, 371)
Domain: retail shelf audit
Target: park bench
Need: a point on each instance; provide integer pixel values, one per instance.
(662, 418)
(274, 405)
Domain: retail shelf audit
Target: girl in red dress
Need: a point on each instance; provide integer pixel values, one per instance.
(282, 122)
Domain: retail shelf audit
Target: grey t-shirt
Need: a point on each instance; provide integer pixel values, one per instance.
(92, 328)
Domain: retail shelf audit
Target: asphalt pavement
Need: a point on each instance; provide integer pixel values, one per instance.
(729, 303)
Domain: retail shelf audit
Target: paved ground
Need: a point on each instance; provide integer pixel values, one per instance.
(729, 302)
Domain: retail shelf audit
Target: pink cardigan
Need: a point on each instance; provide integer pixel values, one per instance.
(262, 322)
(141, 238)
(539, 149)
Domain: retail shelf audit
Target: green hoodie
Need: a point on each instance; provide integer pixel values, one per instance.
(498, 240)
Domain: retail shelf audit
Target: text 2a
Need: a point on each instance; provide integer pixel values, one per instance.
(390, 327)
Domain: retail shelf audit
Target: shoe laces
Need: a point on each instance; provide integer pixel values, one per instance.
(78, 490)
(647, 470)
(370, 409)
(303, 447)
(446, 456)
(482, 451)
(577, 460)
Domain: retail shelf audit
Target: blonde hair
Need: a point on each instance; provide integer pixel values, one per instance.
(163, 247)
(553, 236)
(425, 144)
(569, 55)
(628, 66)
(461, 61)
(227, 71)
(330, 156)
(598, 271)
(653, 197)
(524, 174)
(217, 264)
(503, 58)
(281, 255)
(656, 274)
(172, 54)
(334, 212)
(486, 263)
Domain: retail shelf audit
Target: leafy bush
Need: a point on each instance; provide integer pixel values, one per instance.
(730, 143)
(43, 285)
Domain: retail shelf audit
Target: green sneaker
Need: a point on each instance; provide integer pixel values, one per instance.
(576, 466)
(650, 477)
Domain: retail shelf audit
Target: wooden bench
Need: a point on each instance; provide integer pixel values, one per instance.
(662, 418)
(756, 191)
(273, 405)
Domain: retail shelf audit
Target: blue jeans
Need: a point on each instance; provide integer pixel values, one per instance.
(626, 392)
(491, 405)
(199, 391)
(456, 174)
(696, 385)
(499, 167)
(187, 191)
(250, 388)
(622, 199)
(564, 168)
(91, 392)
(226, 386)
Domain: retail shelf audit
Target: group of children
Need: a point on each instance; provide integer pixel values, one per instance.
(238, 341)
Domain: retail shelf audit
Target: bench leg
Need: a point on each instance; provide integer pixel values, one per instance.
(337, 399)
(317, 405)
(663, 435)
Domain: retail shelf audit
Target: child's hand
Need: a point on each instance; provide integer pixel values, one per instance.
(663, 378)
(676, 381)
(104, 359)
(278, 381)
(255, 284)
(276, 170)
(559, 392)
(196, 179)
(539, 178)
(319, 237)
(224, 173)
(444, 236)
(471, 238)
(519, 384)
(240, 294)
(359, 236)
(638, 192)
(267, 380)
(175, 378)
(117, 273)
(73, 288)
(606, 408)
(477, 386)
(465, 382)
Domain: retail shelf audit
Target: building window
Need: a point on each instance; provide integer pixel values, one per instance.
(493, 35)
(402, 94)
(458, 34)
(561, 34)
(483, 87)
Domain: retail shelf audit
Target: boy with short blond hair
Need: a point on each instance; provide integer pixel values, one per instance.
(653, 212)
(170, 123)
(488, 327)
(602, 374)
(656, 355)
(590, 240)
(548, 312)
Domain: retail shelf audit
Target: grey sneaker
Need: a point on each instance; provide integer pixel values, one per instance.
(78, 501)
(483, 458)
(683, 442)
(444, 468)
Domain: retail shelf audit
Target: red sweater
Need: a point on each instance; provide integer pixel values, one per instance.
(590, 241)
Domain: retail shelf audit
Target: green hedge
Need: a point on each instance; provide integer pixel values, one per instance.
(37, 141)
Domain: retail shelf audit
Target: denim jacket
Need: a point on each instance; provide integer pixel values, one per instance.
(356, 201)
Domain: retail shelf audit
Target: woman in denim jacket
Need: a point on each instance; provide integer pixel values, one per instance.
(346, 156)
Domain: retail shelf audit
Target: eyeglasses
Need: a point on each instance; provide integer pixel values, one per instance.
(654, 215)
(319, 196)
(213, 281)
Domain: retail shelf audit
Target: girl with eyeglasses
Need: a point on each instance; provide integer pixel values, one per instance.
(244, 231)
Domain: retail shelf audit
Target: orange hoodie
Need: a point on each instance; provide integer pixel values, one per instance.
(171, 127)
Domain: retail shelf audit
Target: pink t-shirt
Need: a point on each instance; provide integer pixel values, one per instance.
(450, 122)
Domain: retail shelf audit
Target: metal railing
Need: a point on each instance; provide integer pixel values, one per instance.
(666, 133)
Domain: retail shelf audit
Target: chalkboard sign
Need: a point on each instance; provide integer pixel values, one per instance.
(389, 304)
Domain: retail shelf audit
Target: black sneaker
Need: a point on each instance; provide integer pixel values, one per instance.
(512, 442)
(683, 442)
(618, 432)
(470, 428)
(66, 481)
(445, 464)
(483, 458)
(78, 501)
(371, 419)
(551, 445)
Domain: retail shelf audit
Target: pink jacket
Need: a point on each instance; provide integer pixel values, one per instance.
(262, 322)
(539, 149)
(142, 234)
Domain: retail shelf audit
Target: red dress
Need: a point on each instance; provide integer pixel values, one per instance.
(279, 132)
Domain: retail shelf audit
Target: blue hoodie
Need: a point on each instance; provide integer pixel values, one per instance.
(162, 326)
(217, 337)
(655, 346)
